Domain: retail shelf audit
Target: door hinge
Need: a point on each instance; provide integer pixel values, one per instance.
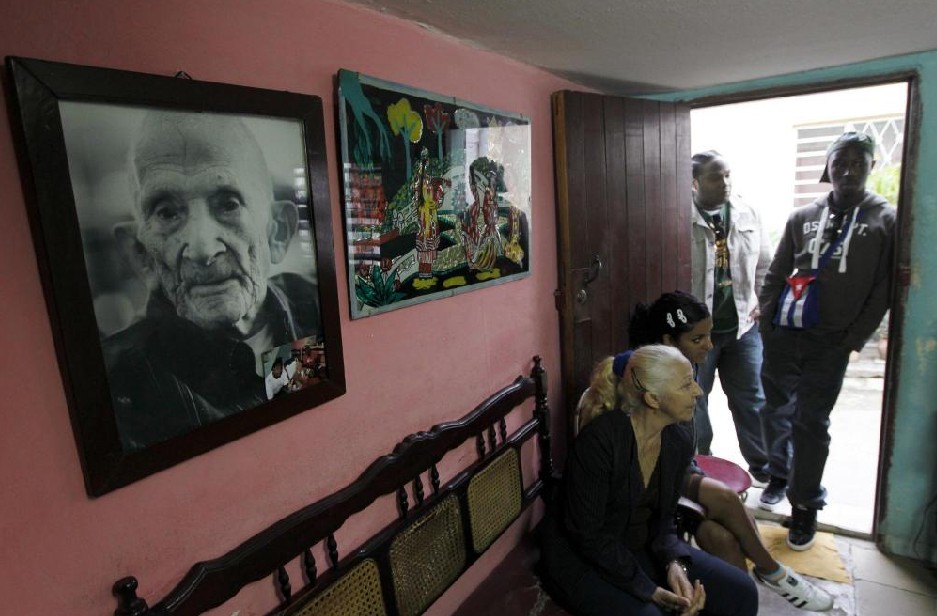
(904, 276)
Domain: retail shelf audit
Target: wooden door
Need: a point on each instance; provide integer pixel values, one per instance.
(623, 191)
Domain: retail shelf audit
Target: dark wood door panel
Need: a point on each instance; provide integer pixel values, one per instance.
(623, 195)
(654, 218)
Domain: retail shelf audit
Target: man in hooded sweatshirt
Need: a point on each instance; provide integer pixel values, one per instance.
(846, 239)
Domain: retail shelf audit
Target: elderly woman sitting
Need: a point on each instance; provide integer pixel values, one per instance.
(609, 546)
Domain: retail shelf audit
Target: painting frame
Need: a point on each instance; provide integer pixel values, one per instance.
(457, 220)
(40, 93)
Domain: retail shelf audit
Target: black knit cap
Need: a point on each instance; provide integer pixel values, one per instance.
(860, 140)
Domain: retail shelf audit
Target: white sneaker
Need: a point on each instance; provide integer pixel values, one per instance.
(799, 592)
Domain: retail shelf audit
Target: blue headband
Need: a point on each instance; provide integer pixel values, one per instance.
(620, 361)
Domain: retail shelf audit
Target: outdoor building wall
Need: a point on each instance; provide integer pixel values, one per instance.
(908, 526)
(406, 370)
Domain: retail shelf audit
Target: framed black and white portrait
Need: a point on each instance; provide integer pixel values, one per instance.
(183, 230)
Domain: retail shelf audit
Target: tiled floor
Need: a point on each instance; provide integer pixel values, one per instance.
(882, 585)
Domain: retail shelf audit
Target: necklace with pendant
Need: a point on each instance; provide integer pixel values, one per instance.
(717, 225)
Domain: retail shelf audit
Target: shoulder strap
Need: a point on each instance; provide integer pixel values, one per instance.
(820, 261)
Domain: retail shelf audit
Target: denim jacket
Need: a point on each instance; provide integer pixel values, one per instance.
(749, 258)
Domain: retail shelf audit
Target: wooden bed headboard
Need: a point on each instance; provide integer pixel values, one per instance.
(407, 565)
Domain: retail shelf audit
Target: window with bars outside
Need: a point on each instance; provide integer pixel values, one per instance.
(813, 139)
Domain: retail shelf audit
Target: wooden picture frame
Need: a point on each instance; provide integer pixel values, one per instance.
(184, 237)
(437, 194)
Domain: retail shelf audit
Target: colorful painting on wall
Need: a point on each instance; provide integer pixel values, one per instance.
(436, 192)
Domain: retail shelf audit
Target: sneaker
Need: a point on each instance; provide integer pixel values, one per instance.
(760, 479)
(773, 494)
(803, 530)
(799, 592)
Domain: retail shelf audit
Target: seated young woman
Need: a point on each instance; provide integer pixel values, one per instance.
(728, 531)
(609, 546)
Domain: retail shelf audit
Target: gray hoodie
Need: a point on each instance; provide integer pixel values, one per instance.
(855, 285)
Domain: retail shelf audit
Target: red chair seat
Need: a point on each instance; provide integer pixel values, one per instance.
(729, 473)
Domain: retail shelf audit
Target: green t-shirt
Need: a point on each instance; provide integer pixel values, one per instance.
(725, 316)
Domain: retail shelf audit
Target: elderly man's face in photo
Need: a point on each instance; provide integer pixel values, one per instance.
(206, 217)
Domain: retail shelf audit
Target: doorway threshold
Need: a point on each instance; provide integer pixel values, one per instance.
(842, 520)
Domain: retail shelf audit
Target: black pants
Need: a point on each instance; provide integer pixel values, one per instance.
(802, 375)
(729, 592)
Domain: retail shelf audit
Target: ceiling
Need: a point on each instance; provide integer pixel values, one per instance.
(644, 46)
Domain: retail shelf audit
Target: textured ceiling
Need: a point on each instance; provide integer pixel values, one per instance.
(633, 46)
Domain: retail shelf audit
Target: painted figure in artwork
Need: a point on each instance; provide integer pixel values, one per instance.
(513, 249)
(480, 238)
(427, 195)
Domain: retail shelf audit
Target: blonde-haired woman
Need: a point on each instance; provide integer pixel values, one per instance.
(728, 531)
(609, 545)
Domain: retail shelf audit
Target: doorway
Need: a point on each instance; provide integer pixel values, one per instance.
(776, 149)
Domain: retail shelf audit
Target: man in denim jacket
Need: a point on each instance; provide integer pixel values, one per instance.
(730, 257)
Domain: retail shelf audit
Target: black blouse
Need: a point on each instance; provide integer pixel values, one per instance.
(598, 509)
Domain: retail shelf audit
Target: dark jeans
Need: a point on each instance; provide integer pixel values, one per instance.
(802, 375)
(739, 363)
(729, 592)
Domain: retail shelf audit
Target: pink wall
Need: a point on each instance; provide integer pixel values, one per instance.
(61, 550)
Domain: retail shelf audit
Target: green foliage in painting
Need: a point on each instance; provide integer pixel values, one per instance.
(408, 125)
(377, 289)
(366, 122)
